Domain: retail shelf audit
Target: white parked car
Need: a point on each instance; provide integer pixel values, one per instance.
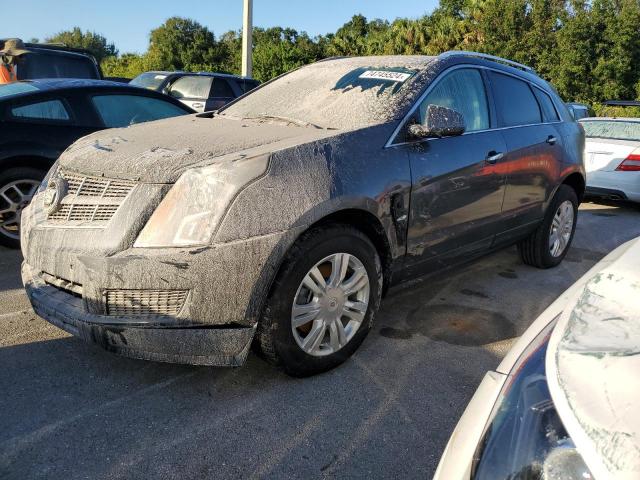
(563, 404)
(612, 157)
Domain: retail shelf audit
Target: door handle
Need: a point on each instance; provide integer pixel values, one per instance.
(551, 140)
(493, 157)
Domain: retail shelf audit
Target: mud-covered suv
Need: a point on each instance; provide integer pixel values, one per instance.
(281, 220)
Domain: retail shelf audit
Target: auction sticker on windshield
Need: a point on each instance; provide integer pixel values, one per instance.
(386, 75)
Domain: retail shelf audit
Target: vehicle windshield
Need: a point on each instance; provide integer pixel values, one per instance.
(343, 94)
(16, 88)
(149, 80)
(55, 65)
(612, 129)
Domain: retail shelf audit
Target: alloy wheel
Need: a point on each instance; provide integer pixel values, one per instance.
(561, 229)
(14, 197)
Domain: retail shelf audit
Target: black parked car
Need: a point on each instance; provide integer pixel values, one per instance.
(39, 119)
(56, 61)
(201, 91)
(280, 220)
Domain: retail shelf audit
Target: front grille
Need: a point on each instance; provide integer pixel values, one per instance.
(144, 302)
(97, 187)
(90, 201)
(78, 212)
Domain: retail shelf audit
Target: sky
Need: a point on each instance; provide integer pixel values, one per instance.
(128, 23)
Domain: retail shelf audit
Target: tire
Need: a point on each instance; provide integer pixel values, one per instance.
(276, 340)
(17, 186)
(536, 250)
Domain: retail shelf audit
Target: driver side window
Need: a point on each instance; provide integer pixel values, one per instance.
(461, 90)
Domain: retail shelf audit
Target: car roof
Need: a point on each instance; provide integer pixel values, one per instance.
(67, 85)
(45, 84)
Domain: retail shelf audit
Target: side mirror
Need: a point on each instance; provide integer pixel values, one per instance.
(439, 122)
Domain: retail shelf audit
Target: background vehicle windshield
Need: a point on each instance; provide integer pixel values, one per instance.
(612, 129)
(148, 80)
(343, 94)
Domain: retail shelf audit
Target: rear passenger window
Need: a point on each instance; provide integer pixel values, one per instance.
(221, 88)
(515, 101)
(461, 90)
(191, 87)
(548, 110)
(49, 110)
(125, 110)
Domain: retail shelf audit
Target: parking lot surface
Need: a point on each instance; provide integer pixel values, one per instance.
(70, 410)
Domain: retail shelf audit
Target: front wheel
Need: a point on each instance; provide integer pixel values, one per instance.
(17, 187)
(550, 242)
(322, 304)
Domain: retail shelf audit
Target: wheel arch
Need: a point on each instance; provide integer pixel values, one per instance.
(370, 225)
(31, 161)
(576, 181)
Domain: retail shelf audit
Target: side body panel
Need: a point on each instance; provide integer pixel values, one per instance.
(457, 196)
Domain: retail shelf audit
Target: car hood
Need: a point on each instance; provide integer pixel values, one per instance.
(593, 360)
(159, 152)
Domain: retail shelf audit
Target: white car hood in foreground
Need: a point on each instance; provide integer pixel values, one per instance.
(593, 367)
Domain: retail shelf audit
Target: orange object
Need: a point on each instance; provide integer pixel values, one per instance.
(7, 73)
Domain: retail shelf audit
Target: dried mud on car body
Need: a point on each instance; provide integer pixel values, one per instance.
(311, 173)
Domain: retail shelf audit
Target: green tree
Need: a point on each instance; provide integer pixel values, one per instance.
(184, 44)
(351, 38)
(129, 65)
(95, 43)
(278, 50)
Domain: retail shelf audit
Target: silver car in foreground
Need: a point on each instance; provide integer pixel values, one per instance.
(563, 402)
(612, 157)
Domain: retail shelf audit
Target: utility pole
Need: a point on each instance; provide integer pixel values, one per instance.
(247, 40)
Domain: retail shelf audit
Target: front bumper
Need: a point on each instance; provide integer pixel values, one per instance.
(194, 344)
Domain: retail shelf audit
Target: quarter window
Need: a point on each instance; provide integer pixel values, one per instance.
(125, 110)
(546, 104)
(191, 87)
(515, 101)
(461, 90)
(49, 110)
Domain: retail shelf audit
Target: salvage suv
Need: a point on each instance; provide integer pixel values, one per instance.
(280, 220)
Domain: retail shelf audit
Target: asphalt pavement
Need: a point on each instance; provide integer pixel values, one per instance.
(70, 410)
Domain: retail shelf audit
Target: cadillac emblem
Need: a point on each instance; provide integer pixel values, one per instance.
(53, 195)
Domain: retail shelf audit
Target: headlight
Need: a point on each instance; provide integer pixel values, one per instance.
(45, 181)
(525, 438)
(193, 208)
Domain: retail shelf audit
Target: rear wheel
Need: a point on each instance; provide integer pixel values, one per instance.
(550, 242)
(17, 187)
(323, 302)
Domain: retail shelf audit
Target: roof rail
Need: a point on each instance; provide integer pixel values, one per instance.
(622, 103)
(486, 56)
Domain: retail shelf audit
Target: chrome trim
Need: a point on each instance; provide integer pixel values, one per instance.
(486, 56)
(435, 81)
